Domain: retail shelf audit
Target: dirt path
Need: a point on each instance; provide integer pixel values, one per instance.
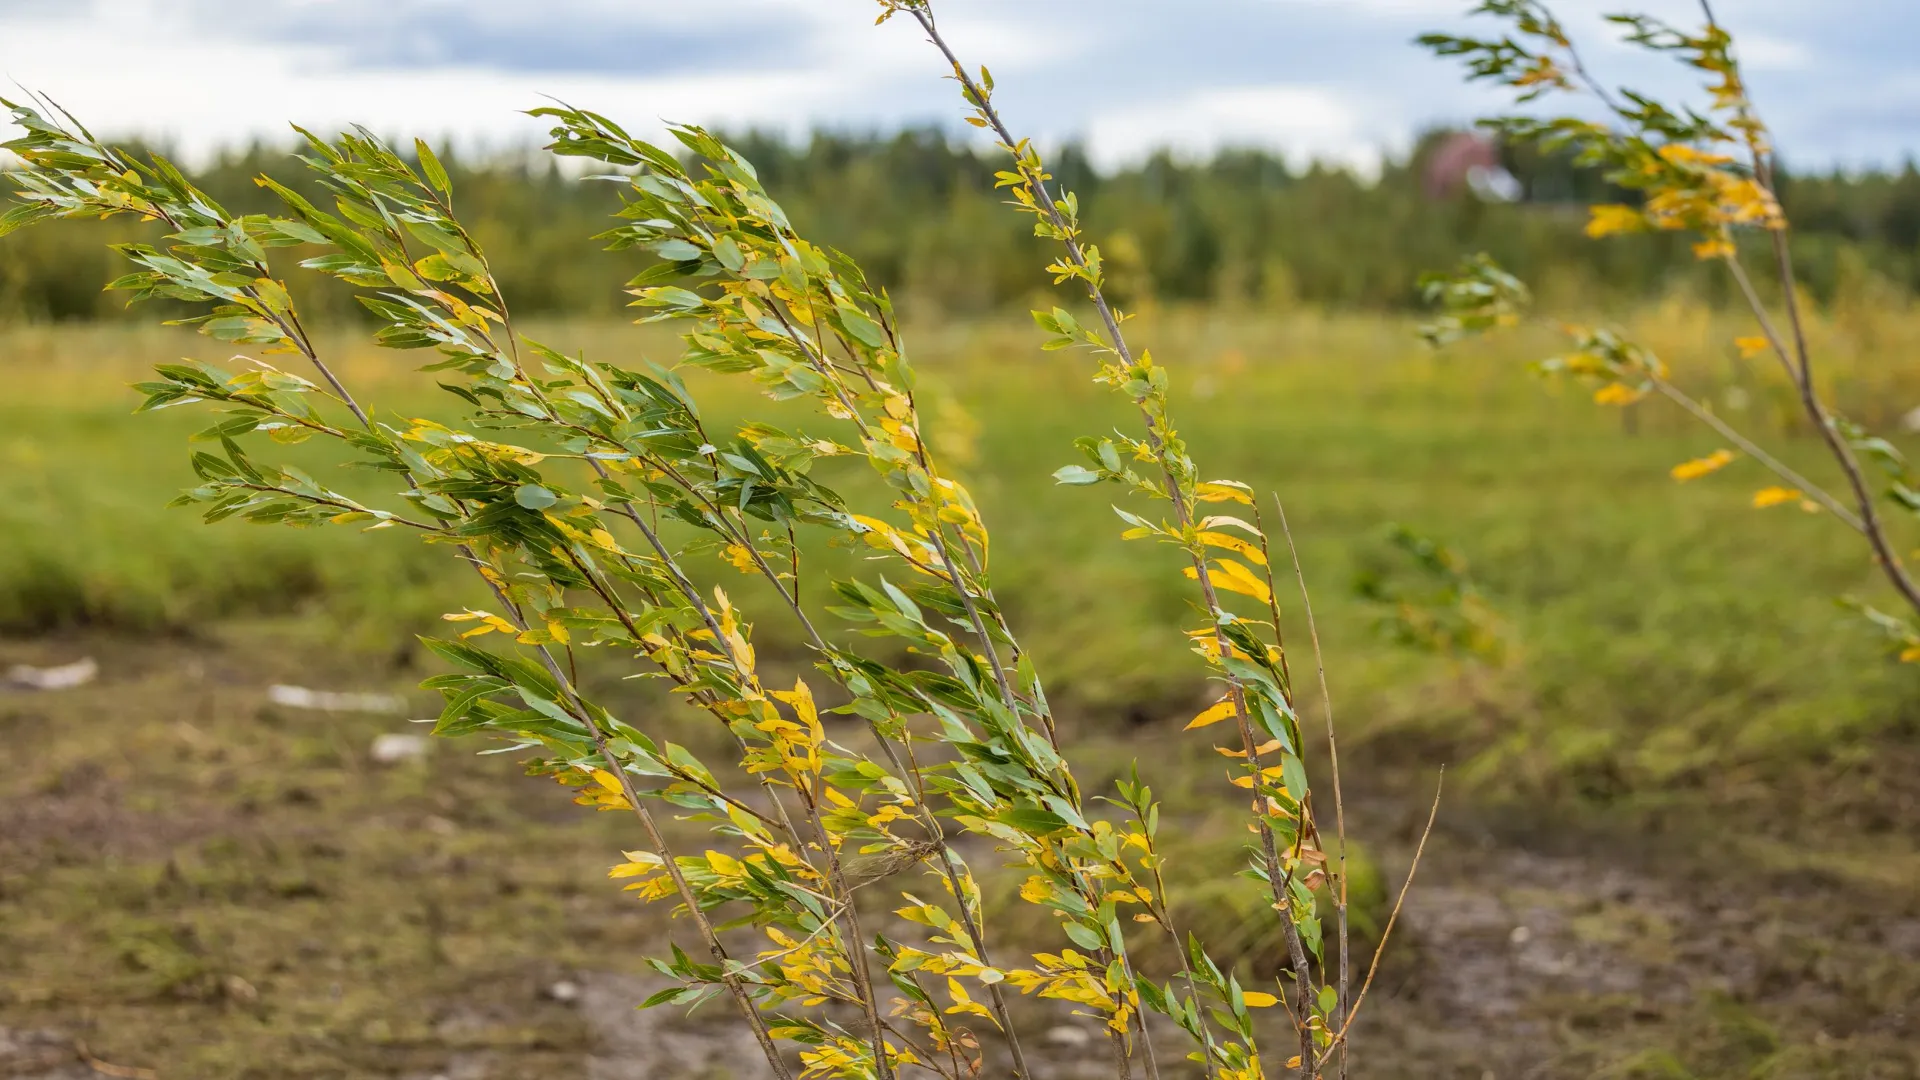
(195, 882)
(1571, 959)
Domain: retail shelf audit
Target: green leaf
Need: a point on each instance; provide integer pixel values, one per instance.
(1033, 821)
(863, 329)
(534, 497)
(1085, 936)
(676, 251)
(429, 164)
(22, 216)
(440, 238)
(1076, 475)
(1295, 775)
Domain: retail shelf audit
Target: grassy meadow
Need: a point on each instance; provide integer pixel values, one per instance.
(1657, 631)
(1677, 675)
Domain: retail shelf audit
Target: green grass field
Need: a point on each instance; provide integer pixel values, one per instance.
(1676, 664)
(1660, 632)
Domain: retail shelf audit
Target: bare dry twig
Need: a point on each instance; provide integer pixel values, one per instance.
(1373, 967)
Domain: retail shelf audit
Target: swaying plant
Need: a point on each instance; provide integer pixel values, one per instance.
(569, 487)
(1709, 172)
(1437, 607)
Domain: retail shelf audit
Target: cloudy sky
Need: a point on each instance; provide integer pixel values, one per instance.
(1330, 79)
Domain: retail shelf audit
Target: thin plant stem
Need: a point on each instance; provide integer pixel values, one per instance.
(1146, 1044)
(1164, 914)
(1122, 1062)
(748, 1010)
(1283, 903)
(1333, 756)
(1373, 967)
(856, 949)
(1750, 448)
(1863, 497)
(950, 868)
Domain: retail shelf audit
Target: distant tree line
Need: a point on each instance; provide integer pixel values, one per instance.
(918, 209)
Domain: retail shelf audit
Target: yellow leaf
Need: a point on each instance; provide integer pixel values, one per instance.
(1224, 491)
(1258, 1000)
(641, 864)
(1215, 521)
(1236, 545)
(1713, 248)
(962, 1004)
(1231, 576)
(1910, 654)
(1698, 467)
(1616, 394)
(1613, 218)
(1751, 347)
(801, 698)
(1774, 496)
(1218, 711)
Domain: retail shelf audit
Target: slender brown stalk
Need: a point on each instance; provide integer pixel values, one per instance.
(791, 598)
(731, 980)
(997, 998)
(1122, 1063)
(748, 1010)
(1333, 756)
(817, 356)
(1798, 361)
(856, 948)
(1373, 967)
(1164, 915)
(1750, 448)
(1863, 496)
(1283, 903)
(950, 868)
(1800, 365)
(1146, 1044)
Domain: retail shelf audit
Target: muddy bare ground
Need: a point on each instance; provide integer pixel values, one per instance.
(194, 883)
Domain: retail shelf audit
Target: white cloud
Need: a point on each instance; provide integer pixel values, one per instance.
(1334, 79)
(1307, 121)
(147, 83)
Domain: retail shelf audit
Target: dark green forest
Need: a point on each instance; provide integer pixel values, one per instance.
(918, 209)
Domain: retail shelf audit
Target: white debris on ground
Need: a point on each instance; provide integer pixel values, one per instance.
(299, 697)
(1068, 1035)
(61, 677)
(393, 749)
